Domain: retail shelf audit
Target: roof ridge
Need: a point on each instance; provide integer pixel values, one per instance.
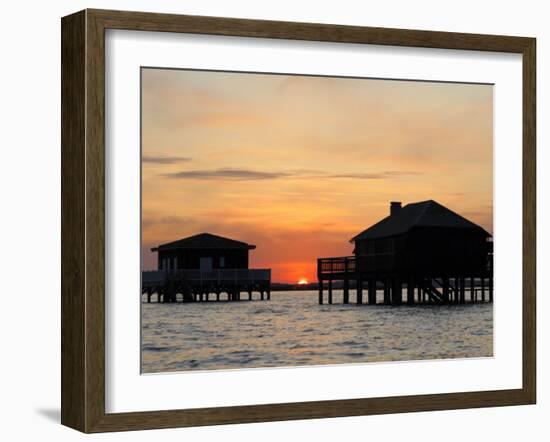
(428, 213)
(426, 204)
(206, 238)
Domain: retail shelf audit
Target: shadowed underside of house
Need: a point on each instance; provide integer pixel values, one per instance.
(193, 268)
(420, 253)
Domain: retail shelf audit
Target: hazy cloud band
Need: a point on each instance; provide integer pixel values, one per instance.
(151, 159)
(249, 174)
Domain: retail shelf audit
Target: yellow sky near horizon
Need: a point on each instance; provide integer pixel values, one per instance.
(297, 165)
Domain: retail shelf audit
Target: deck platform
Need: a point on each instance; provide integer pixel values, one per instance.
(400, 288)
(198, 285)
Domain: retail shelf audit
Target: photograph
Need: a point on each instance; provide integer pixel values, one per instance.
(298, 220)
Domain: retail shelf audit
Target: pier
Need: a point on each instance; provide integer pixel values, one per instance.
(206, 286)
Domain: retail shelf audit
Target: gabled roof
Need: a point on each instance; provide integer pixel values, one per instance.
(204, 241)
(425, 214)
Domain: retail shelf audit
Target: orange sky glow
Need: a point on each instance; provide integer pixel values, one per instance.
(298, 165)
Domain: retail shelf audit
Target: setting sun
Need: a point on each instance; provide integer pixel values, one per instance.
(303, 281)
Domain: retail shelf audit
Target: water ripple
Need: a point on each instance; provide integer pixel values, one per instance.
(292, 329)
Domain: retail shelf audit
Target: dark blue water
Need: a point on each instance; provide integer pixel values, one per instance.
(292, 329)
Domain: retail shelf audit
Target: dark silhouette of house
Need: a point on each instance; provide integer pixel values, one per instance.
(200, 265)
(423, 238)
(203, 251)
(424, 245)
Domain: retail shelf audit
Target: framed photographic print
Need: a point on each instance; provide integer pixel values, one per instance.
(270, 220)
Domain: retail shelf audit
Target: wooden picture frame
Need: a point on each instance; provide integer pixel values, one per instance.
(83, 220)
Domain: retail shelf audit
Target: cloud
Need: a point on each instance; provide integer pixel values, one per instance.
(164, 159)
(226, 174)
(150, 220)
(250, 175)
(388, 174)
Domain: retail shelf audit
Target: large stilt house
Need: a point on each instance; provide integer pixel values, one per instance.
(433, 251)
(423, 238)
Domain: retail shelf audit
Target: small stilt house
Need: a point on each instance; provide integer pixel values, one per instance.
(204, 251)
(200, 265)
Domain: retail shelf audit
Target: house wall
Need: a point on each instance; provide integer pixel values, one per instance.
(190, 258)
(426, 251)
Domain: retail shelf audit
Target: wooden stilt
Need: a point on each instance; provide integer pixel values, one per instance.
(330, 291)
(346, 291)
(359, 290)
(345, 299)
(397, 295)
(491, 288)
(372, 291)
(321, 292)
(446, 297)
(456, 290)
(387, 291)
(410, 291)
(483, 289)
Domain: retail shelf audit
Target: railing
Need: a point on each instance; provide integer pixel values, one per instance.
(219, 275)
(343, 265)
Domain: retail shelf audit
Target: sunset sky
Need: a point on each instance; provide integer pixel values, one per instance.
(298, 165)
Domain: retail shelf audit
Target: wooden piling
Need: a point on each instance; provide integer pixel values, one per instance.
(483, 289)
(372, 291)
(346, 291)
(320, 292)
(410, 291)
(446, 296)
(462, 290)
(359, 290)
(456, 290)
(330, 291)
(396, 291)
(387, 300)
